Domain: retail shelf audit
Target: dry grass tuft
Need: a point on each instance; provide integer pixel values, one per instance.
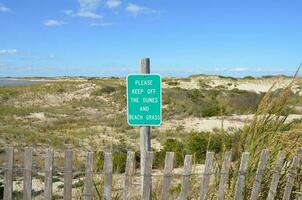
(268, 130)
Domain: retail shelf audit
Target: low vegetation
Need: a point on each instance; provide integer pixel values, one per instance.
(90, 114)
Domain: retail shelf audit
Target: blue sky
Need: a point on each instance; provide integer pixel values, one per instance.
(108, 37)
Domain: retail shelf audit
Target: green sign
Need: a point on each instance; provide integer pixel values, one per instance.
(144, 100)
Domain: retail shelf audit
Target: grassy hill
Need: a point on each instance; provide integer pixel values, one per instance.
(87, 112)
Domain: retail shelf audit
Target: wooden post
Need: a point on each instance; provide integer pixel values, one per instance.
(259, 175)
(205, 180)
(68, 175)
(8, 176)
(167, 175)
(186, 178)
(27, 185)
(147, 179)
(299, 195)
(88, 184)
(108, 168)
(276, 176)
(48, 174)
(224, 175)
(129, 171)
(291, 175)
(145, 131)
(241, 176)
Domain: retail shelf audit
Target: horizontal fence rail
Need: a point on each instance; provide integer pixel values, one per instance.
(210, 181)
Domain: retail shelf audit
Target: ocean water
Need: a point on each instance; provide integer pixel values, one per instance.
(12, 82)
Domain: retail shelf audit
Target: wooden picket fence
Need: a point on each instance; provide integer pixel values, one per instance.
(146, 176)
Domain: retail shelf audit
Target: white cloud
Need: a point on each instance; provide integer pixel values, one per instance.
(239, 69)
(88, 14)
(101, 24)
(89, 4)
(136, 9)
(8, 51)
(113, 3)
(87, 9)
(3, 8)
(53, 22)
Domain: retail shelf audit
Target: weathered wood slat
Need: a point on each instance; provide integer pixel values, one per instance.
(145, 131)
(186, 178)
(241, 176)
(68, 175)
(276, 176)
(27, 183)
(48, 174)
(224, 175)
(145, 137)
(8, 176)
(108, 168)
(259, 174)
(147, 176)
(291, 175)
(147, 179)
(88, 183)
(167, 175)
(299, 195)
(205, 180)
(129, 171)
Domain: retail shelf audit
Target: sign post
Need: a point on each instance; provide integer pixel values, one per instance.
(145, 131)
(144, 106)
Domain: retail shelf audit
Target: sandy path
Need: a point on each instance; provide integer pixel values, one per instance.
(212, 123)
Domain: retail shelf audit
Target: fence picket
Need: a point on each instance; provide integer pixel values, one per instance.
(48, 174)
(205, 180)
(88, 183)
(147, 179)
(27, 183)
(8, 176)
(108, 168)
(276, 176)
(299, 194)
(167, 175)
(241, 176)
(129, 171)
(259, 174)
(224, 175)
(291, 175)
(68, 175)
(186, 177)
(147, 176)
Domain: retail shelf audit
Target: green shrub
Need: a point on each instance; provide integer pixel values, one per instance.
(119, 158)
(107, 89)
(248, 78)
(200, 142)
(197, 144)
(171, 145)
(172, 83)
(61, 90)
(119, 161)
(203, 84)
